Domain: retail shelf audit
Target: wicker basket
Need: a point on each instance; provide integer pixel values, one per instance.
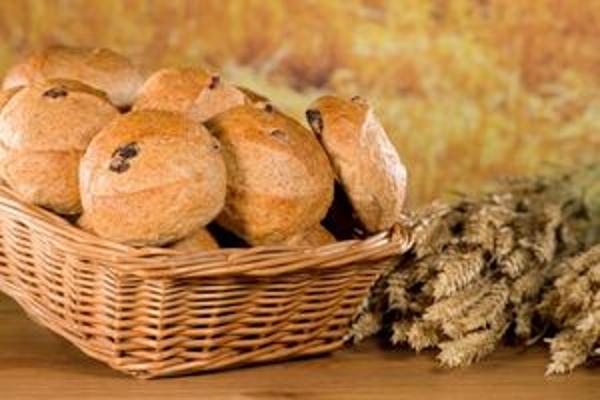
(157, 312)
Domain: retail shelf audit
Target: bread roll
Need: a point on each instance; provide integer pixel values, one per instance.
(150, 178)
(314, 237)
(44, 130)
(279, 179)
(364, 159)
(100, 68)
(191, 91)
(200, 240)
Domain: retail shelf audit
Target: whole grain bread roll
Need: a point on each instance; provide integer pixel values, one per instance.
(365, 160)
(151, 178)
(279, 183)
(200, 240)
(44, 131)
(191, 91)
(313, 237)
(100, 68)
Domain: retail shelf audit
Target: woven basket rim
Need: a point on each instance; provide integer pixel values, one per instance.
(168, 263)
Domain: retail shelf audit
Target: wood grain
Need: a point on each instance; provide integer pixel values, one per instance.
(35, 364)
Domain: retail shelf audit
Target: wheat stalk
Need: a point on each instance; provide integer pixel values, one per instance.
(481, 269)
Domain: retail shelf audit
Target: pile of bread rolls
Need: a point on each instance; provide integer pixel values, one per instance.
(154, 162)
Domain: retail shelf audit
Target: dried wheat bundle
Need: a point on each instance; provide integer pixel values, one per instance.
(478, 268)
(573, 305)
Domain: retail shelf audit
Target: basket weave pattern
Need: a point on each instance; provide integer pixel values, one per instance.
(157, 312)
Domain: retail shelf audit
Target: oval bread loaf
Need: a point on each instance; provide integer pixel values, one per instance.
(99, 68)
(280, 182)
(44, 131)
(191, 91)
(151, 178)
(365, 161)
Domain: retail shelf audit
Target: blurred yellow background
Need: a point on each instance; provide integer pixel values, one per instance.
(469, 90)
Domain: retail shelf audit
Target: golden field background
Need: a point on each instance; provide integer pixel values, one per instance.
(468, 89)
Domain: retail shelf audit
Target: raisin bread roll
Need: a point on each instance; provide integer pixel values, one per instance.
(200, 240)
(280, 182)
(314, 237)
(99, 68)
(151, 178)
(44, 131)
(191, 91)
(365, 161)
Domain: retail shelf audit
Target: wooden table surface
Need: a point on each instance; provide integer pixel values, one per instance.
(36, 364)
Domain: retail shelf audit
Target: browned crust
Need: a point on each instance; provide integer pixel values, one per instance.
(100, 68)
(191, 91)
(172, 89)
(365, 160)
(173, 185)
(45, 178)
(280, 181)
(44, 130)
